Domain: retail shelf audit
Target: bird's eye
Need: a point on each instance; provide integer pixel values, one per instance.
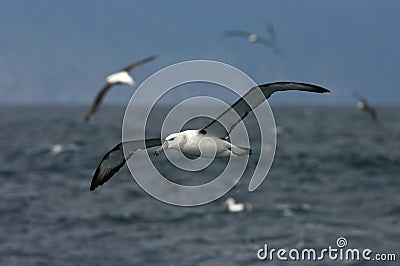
(172, 139)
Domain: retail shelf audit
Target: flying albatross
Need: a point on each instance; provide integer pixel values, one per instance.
(363, 105)
(121, 77)
(253, 38)
(191, 142)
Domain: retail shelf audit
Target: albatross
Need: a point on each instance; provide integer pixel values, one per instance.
(209, 141)
(121, 77)
(253, 38)
(363, 105)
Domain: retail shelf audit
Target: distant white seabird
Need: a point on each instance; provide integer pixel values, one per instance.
(121, 77)
(210, 141)
(363, 105)
(232, 206)
(253, 38)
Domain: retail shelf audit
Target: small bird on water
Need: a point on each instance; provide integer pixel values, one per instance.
(232, 206)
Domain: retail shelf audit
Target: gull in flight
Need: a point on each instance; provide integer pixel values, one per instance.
(253, 38)
(232, 206)
(209, 141)
(121, 77)
(363, 105)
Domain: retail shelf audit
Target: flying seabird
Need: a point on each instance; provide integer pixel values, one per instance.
(363, 105)
(253, 38)
(121, 77)
(209, 141)
(232, 206)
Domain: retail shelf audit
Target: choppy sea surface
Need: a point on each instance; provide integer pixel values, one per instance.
(335, 174)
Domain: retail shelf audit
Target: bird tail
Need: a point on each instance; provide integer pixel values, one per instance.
(240, 151)
(248, 206)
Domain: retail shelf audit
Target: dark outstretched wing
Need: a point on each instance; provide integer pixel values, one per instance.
(98, 100)
(141, 62)
(115, 159)
(268, 43)
(237, 33)
(224, 123)
(360, 98)
(271, 32)
(372, 113)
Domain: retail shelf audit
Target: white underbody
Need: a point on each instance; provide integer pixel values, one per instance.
(237, 207)
(361, 106)
(122, 77)
(252, 38)
(191, 142)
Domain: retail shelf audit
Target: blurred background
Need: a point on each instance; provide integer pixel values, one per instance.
(60, 52)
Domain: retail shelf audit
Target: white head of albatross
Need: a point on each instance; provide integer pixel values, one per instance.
(171, 142)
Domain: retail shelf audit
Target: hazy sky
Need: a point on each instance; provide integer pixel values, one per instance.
(61, 51)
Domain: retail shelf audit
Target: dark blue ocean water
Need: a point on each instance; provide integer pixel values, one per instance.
(335, 174)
